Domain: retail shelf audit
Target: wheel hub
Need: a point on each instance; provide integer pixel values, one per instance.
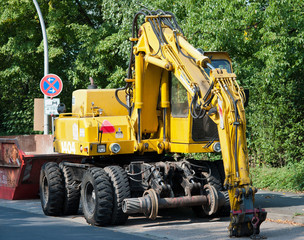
(90, 197)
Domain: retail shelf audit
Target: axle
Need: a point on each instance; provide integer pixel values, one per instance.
(151, 202)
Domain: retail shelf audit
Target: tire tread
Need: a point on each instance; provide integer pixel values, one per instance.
(121, 190)
(54, 204)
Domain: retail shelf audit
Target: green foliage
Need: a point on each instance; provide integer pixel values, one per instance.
(21, 119)
(288, 178)
(205, 156)
(277, 112)
(89, 38)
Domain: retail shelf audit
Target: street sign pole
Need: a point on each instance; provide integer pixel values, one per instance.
(46, 61)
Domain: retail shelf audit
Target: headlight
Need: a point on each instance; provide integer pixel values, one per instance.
(101, 148)
(217, 147)
(115, 148)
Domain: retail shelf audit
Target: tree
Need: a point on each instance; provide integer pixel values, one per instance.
(89, 38)
(18, 68)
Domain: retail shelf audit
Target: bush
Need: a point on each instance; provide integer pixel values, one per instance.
(288, 178)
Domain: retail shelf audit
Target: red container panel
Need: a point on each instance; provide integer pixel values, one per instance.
(21, 159)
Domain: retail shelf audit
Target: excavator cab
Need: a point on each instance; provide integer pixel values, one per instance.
(192, 130)
(189, 134)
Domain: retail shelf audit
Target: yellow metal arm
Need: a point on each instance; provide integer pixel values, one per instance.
(231, 122)
(174, 53)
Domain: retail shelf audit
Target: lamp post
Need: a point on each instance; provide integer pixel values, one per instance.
(46, 61)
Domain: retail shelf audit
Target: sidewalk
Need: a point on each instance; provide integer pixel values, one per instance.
(283, 206)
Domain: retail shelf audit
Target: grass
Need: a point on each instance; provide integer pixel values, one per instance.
(288, 178)
(298, 214)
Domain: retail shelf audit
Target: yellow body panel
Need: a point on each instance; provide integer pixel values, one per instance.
(80, 135)
(86, 102)
(180, 130)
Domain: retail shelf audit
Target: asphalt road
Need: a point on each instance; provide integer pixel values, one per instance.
(25, 220)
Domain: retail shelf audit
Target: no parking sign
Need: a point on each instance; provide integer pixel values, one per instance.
(51, 85)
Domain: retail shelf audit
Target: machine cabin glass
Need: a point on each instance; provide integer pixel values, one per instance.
(219, 63)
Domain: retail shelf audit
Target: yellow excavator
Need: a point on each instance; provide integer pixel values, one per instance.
(137, 141)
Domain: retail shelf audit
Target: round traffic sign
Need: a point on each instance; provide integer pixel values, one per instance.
(51, 85)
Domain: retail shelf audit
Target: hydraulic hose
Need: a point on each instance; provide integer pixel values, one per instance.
(118, 100)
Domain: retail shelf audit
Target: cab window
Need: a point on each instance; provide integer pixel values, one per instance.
(219, 63)
(179, 99)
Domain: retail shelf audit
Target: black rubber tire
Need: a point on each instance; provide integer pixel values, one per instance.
(220, 167)
(213, 177)
(224, 211)
(71, 192)
(51, 189)
(121, 190)
(97, 197)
